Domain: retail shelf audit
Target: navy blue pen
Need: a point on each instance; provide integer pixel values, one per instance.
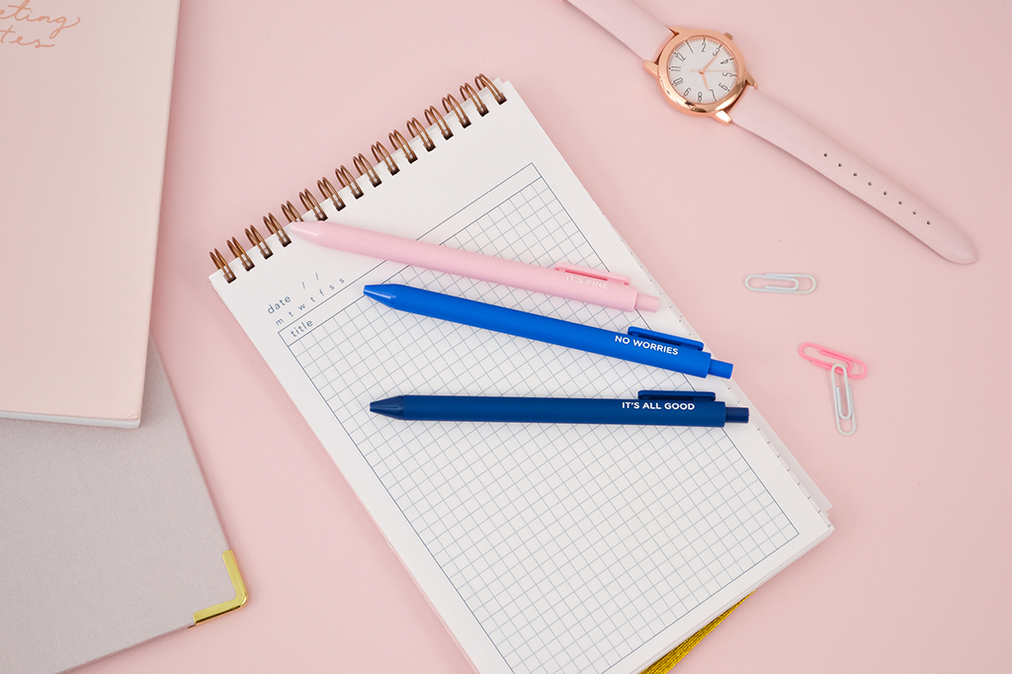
(637, 345)
(651, 408)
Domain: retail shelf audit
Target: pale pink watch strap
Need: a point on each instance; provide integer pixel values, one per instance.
(642, 33)
(767, 119)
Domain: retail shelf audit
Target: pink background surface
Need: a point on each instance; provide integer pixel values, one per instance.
(268, 97)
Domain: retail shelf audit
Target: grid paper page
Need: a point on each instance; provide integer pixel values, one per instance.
(542, 547)
(570, 545)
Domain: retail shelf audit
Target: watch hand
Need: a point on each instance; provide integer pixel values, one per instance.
(700, 73)
(704, 70)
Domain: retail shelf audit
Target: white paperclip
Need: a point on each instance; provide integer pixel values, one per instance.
(837, 401)
(793, 279)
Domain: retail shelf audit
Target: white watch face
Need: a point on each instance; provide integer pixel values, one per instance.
(702, 70)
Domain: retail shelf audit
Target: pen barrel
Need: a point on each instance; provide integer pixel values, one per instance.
(602, 290)
(553, 331)
(564, 411)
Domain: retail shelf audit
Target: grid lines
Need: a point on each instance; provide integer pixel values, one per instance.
(571, 545)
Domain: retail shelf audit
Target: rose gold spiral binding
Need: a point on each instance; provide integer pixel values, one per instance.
(310, 203)
(468, 93)
(381, 155)
(328, 191)
(400, 143)
(240, 253)
(366, 169)
(345, 178)
(432, 116)
(450, 104)
(415, 128)
(274, 227)
(259, 242)
(219, 262)
(291, 212)
(482, 81)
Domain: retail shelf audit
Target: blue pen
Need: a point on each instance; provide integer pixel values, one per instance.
(638, 345)
(653, 408)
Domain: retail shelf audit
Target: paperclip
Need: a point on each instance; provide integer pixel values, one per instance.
(823, 351)
(840, 416)
(793, 279)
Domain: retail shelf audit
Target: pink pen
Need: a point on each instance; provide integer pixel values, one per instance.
(564, 280)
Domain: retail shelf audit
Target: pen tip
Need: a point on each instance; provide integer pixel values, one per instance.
(380, 293)
(307, 230)
(390, 407)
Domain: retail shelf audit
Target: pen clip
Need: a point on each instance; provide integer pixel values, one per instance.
(592, 273)
(682, 396)
(663, 338)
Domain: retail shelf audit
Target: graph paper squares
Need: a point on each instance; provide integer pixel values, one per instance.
(571, 545)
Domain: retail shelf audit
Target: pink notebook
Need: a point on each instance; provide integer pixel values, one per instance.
(84, 118)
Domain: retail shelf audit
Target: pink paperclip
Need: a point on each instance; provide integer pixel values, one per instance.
(823, 351)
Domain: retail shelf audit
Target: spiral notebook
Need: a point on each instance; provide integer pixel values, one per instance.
(543, 548)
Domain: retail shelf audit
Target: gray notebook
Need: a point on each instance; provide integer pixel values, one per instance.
(108, 537)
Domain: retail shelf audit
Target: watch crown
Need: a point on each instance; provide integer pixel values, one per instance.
(728, 36)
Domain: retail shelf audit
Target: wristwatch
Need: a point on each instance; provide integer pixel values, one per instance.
(702, 73)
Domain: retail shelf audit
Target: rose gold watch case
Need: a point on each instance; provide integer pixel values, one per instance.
(717, 110)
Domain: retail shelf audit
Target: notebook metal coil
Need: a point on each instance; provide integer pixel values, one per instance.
(291, 212)
(310, 203)
(274, 227)
(365, 169)
(240, 253)
(328, 191)
(482, 82)
(259, 242)
(221, 264)
(468, 93)
(415, 128)
(398, 141)
(450, 104)
(432, 116)
(381, 155)
(347, 180)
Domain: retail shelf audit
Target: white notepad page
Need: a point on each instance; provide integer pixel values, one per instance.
(544, 548)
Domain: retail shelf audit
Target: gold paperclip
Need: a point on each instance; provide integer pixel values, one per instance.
(842, 416)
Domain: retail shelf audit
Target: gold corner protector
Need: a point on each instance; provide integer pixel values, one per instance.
(224, 607)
